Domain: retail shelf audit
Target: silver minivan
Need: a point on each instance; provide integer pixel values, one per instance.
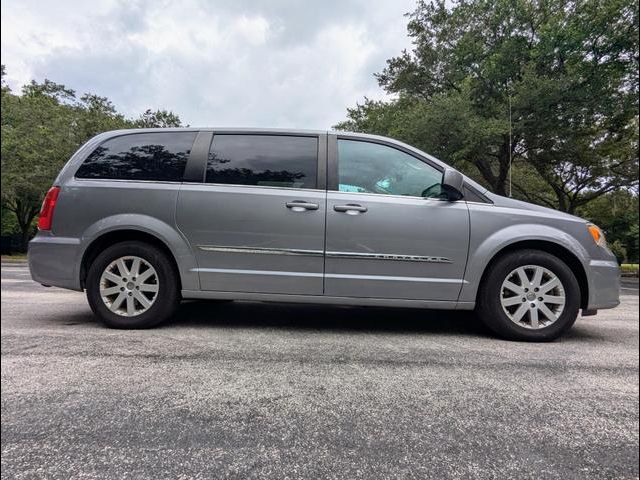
(141, 219)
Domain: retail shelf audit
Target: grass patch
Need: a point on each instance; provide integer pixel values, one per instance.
(629, 269)
(16, 257)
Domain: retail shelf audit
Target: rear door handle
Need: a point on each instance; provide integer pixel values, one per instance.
(301, 206)
(350, 208)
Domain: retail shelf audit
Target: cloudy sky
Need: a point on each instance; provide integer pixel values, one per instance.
(265, 63)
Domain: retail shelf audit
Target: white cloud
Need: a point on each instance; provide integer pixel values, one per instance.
(254, 30)
(252, 63)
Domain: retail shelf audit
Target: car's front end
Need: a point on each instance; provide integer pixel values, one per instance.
(585, 241)
(603, 273)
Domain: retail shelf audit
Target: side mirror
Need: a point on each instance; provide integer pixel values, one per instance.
(453, 184)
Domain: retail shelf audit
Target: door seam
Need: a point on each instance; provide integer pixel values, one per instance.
(326, 188)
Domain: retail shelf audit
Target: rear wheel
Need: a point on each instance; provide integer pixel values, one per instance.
(132, 285)
(529, 295)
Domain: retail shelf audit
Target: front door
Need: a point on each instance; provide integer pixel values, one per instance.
(256, 224)
(389, 232)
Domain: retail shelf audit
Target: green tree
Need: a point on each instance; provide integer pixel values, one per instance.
(617, 213)
(158, 118)
(619, 250)
(566, 71)
(35, 143)
(97, 114)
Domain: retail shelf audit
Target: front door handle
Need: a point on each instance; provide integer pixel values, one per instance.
(301, 206)
(350, 208)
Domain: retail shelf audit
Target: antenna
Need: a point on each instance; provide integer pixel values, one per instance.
(510, 140)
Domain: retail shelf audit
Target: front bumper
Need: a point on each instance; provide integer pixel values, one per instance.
(54, 261)
(604, 284)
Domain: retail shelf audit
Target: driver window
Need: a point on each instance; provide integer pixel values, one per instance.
(365, 167)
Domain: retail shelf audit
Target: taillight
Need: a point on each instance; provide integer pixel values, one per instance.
(48, 206)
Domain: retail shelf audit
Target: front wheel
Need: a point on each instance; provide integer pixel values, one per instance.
(529, 295)
(132, 285)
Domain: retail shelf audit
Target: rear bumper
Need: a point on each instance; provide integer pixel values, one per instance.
(54, 261)
(604, 284)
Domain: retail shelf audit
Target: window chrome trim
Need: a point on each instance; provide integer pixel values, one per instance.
(127, 180)
(390, 195)
(486, 204)
(236, 185)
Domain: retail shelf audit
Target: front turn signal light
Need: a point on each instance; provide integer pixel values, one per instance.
(597, 234)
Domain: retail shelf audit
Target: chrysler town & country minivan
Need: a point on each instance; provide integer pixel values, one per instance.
(141, 219)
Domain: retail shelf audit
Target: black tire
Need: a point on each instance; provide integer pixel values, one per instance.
(489, 307)
(168, 296)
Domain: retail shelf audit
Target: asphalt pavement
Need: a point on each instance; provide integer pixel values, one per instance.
(253, 390)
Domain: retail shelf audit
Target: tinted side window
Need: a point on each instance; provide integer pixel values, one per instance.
(158, 156)
(264, 160)
(365, 167)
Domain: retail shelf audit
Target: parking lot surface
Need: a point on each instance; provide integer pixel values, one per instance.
(252, 390)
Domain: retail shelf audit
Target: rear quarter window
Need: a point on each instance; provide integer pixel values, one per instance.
(160, 156)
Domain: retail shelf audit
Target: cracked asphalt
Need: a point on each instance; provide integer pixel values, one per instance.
(251, 390)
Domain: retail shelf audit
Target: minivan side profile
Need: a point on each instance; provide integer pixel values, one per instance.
(141, 219)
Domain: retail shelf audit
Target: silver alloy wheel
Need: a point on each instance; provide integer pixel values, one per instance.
(129, 286)
(532, 296)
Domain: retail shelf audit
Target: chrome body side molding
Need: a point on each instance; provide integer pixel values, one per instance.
(389, 256)
(331, 254)
(260, 250)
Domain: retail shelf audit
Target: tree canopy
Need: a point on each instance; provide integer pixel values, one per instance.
(565, 72)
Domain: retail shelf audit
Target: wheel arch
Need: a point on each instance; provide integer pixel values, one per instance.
(555, 249)
(105, 240)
